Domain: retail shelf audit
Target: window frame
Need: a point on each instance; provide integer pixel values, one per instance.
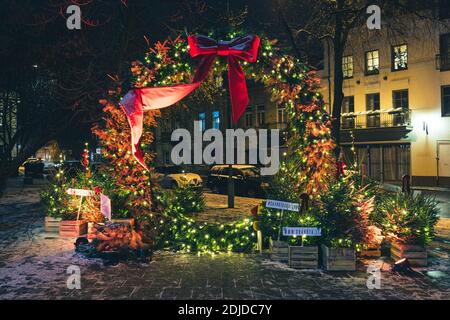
(366, 64)
(348, 98)
(443, 113)
(379, 100)
(260, 110)
(248, 112)
(283, 115)
(393, 98)
(393, 57)
(346, 64)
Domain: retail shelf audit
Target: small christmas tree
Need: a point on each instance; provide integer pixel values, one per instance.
(132, 181)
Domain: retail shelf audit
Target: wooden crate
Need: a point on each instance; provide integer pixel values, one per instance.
(279, 250)
(338, 259)
(416, 255)
(52, 224)
(371, 252)
(72, 228)
(303, 257)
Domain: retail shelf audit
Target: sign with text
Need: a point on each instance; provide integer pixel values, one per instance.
(281, 205)
(302, 231)
(80, 192)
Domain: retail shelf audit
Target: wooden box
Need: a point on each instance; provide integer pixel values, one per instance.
(72, 228)
(416, 254)
(52, 224)
(279, 251)
(338, 259)
(303, 257)
(371, 252)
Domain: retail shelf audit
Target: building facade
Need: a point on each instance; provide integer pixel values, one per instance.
(396, 110)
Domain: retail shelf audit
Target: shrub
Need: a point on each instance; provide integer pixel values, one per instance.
(408, 218)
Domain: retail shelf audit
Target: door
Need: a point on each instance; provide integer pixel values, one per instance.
(444, 160)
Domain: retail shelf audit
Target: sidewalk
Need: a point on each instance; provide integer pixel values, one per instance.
(35, 267)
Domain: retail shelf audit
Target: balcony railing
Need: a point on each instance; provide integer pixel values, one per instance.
(443, 62)
(376, 119)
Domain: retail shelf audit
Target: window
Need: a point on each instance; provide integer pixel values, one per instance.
(400, 99)
(261, 115)
(202, 119)
(373, 104)
(216, 120)
(281, 115)
(399, 57)
(446, 101)
(348, 105)
(444, 52)
(347, 67)
(166, 157)
(249, 117)
(372, 62)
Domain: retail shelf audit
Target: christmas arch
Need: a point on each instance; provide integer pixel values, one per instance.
(164, 78)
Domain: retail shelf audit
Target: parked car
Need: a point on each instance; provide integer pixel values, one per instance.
(174, 176)
(247, 180)
(34, 168)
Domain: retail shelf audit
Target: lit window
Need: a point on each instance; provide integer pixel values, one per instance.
(216, 120)
(281, 115)
(400, 99)
(372, 62)
(446, 101)
(261, 115)
(400, 57)
(202, 119)
(347, 67)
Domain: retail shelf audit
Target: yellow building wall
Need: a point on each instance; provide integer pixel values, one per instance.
(422, 80)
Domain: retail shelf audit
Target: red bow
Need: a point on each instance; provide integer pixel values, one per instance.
(137, 101)
(245, 48)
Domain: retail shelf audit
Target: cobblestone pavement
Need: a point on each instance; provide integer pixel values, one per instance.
(34, 265)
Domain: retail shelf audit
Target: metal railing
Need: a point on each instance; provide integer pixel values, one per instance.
(443, 62)
(376, 119)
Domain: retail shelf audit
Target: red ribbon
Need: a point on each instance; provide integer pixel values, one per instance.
(206, 49)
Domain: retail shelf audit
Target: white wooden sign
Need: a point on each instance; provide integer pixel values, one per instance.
(281, 205)
(80, 192)
(302, 231)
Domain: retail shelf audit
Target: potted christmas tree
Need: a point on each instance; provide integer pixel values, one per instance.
(408, 221)
(344, 218)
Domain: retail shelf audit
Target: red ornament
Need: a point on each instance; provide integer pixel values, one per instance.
(98, 190)
(340, 166)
